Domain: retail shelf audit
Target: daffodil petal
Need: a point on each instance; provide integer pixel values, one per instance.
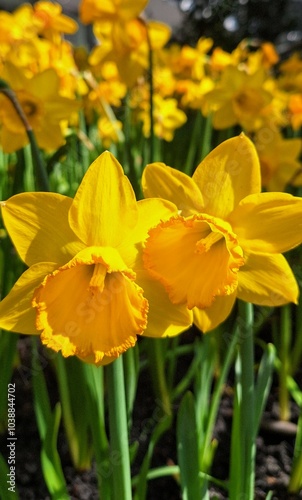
(159, 34)
(38, 226)
(193, 263)
(227, 175)
(86, 311)
(268, 222)
(161, 181)
(150, 212)
(224, 117)
(16, 311)
(108, 256)
(267, 280)
(209, 318)
(164, 318)
(104, 207)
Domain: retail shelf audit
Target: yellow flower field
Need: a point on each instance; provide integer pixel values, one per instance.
(148, 192)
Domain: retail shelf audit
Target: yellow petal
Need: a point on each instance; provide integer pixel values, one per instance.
(90, 310)
(209, 318)
(38, 226)
(195, 259)
(164, 318)
(267, 280)
(16, 311)
(150, 213)
(108, 256)
(227, 175)
(104, 208)
(159, 34)
(268, 222)
(161, 181)
(224, 117)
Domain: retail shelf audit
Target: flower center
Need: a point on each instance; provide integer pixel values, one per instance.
(29, 108)
(206, 243)
(248, 101)
(98, 277)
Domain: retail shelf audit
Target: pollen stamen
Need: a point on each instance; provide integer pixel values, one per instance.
(206, 243)
(98, 278)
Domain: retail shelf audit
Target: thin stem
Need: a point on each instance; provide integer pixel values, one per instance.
(119, 444)
(156, 357)
(297, 347)
(196, 133)
(284, 356)
(151, 101)
(207, 135)
(247, 417)
(212, 412)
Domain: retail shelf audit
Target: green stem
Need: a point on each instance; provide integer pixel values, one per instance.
(40, 170)
(68, 419)
(119, 444)
(247, 417)
(196, 134)
(151, 101)
(207, 136)
(297, 347)
(217, 391)
(295, 482)
(284, 356)
(156, 357)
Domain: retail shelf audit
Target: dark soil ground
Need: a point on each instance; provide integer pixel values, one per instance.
(274, 447)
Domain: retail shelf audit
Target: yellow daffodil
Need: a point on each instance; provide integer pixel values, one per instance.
(227, 240)
(292, 65)
(194, 94)
(110, 10)
(53, 21)
(127, 43)
(109, 88)
(239, 98)
(295, 110)
(43, 106)
(83, 289)
(109, 130)
(167, 118)
(265, 57)
(220, 59)
(279, 158)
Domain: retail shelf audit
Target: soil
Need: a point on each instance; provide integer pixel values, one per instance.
(275, 445)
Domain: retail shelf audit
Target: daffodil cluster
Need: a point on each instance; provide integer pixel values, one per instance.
(248, 89)
(104, 268)
(38, 66)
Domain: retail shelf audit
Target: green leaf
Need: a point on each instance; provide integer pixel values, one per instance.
(162, 426)
(187, 449)
(131, 369)
(263, 384)
(48, 425)
(295, 482)
(50, 460)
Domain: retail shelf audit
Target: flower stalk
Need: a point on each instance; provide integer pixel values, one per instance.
(247, 416)
(284, 355)
(118, 431)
